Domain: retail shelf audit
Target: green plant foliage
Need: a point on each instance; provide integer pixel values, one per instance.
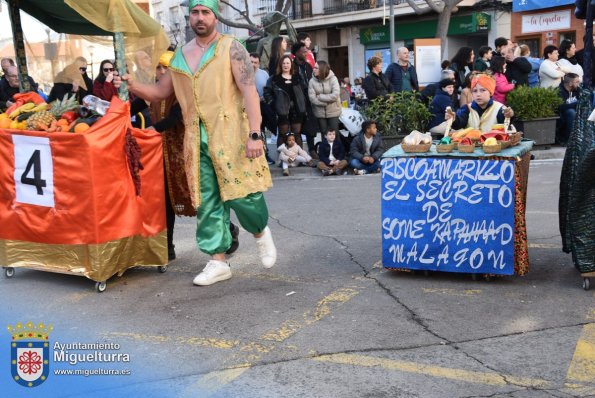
(533, 102)
(398, 113)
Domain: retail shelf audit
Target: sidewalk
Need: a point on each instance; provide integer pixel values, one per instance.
(542, 152)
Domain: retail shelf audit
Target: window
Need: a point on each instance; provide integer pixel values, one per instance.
(568, 36)
(534, 44)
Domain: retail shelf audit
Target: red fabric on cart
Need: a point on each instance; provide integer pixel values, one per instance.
(94, 194)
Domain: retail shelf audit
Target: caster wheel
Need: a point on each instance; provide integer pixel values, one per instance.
(474, 277)
(488, 278)
(586, 283)
(9, 272)
(162, 268)
(426, 272)
(101, 286)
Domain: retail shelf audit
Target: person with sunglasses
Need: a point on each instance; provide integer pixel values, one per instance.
(72, 80)
(103, 87)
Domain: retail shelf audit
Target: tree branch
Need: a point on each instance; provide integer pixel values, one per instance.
(417, 9)
(244, 13)
(238, 25)
(287, 6)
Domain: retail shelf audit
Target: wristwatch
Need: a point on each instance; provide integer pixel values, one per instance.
(254, 135)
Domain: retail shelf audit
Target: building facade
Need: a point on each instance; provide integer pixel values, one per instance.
(349, 32)
(545, 22)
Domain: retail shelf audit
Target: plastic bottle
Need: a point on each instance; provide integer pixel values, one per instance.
(97, 104)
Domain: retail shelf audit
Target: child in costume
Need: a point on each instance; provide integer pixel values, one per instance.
(483, 112)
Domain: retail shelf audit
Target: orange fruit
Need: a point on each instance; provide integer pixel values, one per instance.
(3, 115)
(62, 122)
(79, 128)
(5, 123)
(14, 124)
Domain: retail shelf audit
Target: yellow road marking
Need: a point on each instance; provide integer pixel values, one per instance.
(192, 340)
(582, 366)
(252, 351)
(544, 246)
(489, 378)
(213, 381)
(453, 292)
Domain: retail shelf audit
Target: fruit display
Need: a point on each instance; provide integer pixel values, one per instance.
(469, 132)
(31, 112)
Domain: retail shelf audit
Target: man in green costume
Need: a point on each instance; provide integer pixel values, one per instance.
(213, 80)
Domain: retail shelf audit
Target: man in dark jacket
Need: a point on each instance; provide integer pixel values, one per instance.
(303, 69)
(10, 86)
(517, 68)
(580, 57)
(569, 91)
(366, 149)
(401, 74)
(331, 154)
(376, 84)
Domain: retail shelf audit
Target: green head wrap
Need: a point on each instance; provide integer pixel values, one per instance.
(212, 5)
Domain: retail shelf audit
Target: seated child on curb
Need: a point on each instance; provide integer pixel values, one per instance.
(366, 149)
(331, 154)
(291, 154)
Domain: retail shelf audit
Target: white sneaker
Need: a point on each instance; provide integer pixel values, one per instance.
(215, 271)
(266, 248)
(360, 172)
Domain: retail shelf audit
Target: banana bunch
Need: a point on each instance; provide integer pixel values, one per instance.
(29, 107)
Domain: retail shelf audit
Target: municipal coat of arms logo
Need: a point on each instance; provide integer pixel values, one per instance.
(30, 353)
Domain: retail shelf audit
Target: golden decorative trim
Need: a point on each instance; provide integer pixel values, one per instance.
(98, 262)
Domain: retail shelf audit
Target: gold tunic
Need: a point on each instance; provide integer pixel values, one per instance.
(210, 99)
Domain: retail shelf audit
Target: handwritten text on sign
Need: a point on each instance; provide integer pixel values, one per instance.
(453, 215)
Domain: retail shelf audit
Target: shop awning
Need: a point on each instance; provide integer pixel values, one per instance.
(83, 17)
(459, 25)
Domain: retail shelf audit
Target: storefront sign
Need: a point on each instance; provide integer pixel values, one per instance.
(546, 22)
(452, 215)
(382, 53)
(459, 25)
(375, 35)
(528, 5)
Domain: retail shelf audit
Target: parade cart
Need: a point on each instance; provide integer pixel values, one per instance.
(456, 212)
(90, 203)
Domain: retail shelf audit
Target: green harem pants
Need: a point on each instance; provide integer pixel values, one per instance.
(212, 233)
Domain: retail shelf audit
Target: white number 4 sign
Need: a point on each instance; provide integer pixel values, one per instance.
(33, 170)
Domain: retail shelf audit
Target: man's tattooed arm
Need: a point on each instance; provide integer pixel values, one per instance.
(243, 74)
(241, 65)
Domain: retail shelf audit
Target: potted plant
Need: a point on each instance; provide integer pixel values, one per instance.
(397, 115)
(535, 111)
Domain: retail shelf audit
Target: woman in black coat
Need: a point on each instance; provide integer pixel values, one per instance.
(376, 84)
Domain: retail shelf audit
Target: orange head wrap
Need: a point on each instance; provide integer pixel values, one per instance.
(486, 82)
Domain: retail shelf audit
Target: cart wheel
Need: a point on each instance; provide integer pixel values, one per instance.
(487, 277)
(9, 272)
(426, 272)
(162, 269)
(101, 286)
(586, 283)
(474, 277)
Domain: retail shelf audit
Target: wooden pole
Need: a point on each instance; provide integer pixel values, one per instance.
(120, 52)
(19, 44)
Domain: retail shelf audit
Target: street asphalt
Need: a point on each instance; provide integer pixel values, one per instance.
(328, 320)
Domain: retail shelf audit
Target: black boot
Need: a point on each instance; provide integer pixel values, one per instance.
(171, 252)
(235, 241)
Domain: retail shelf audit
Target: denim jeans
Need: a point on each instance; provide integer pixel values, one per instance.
(370, 168)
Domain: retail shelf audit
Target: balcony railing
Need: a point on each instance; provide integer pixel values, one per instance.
(303, 8)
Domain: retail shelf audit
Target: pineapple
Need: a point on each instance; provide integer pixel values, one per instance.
(44, 117)
(57, 108)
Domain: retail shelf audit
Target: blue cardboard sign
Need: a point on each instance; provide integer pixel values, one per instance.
(527, 5)
(448, 214)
